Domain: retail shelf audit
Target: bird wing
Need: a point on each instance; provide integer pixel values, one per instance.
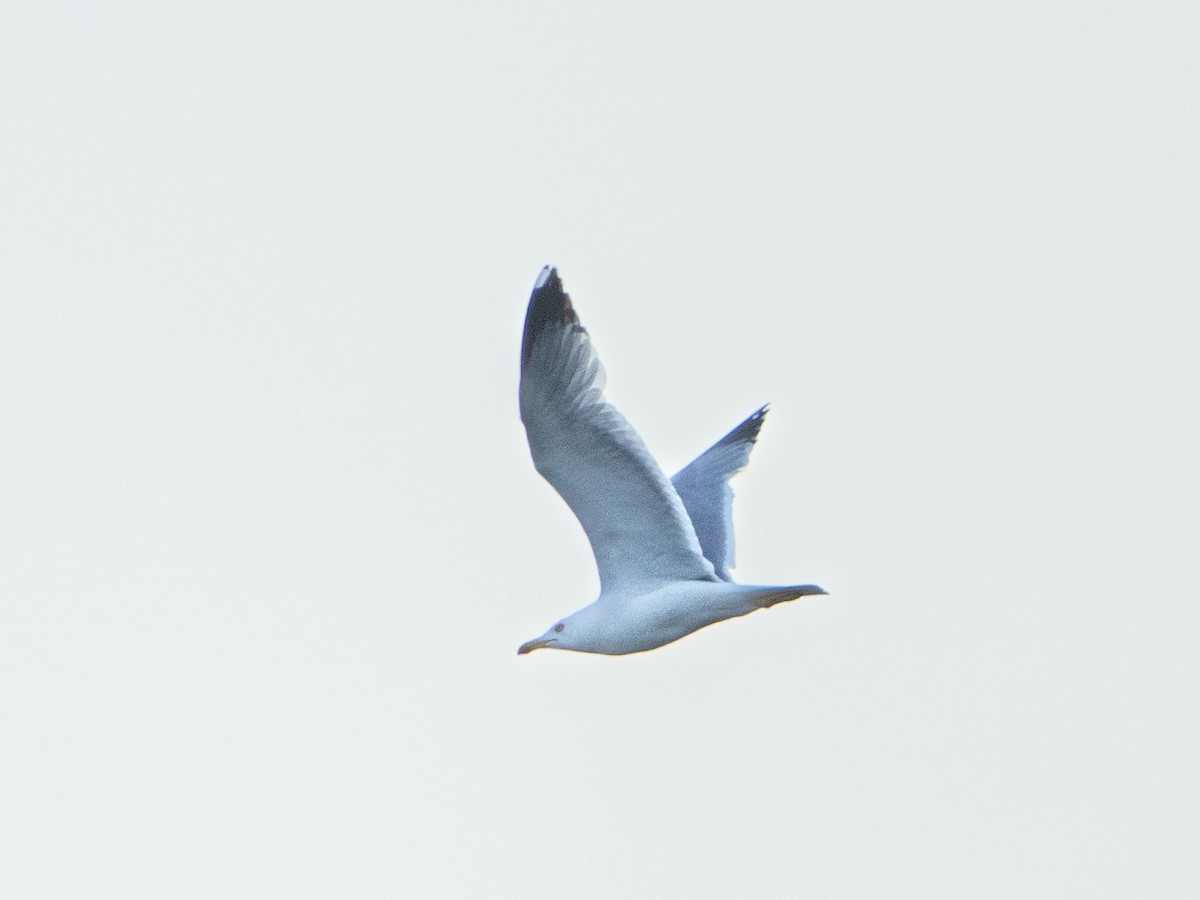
(703, 486)
(636, 523)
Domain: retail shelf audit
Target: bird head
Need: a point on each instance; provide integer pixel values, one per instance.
(583, 630)
(557, 637)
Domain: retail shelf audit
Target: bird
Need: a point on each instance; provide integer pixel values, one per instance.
(663, 547)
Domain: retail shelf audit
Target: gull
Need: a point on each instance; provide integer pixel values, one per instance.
(663, 547)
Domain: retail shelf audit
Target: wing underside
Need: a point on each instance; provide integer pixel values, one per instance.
(637, 525)
(703, 486)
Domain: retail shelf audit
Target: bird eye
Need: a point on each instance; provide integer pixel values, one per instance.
(559, 627)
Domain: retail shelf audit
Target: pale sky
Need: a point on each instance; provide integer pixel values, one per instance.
(270, 534)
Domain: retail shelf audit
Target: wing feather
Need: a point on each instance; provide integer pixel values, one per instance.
(703, 486)
(637, 525)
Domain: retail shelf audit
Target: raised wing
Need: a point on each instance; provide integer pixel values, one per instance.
(703, 486)
(639, 531)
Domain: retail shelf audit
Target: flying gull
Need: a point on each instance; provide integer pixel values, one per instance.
(663, 548)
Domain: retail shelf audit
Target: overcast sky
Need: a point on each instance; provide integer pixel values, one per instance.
(270, 534)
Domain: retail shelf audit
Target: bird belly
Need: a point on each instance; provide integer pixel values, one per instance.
(660, 617)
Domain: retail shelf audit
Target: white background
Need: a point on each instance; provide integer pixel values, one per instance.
(270, 535)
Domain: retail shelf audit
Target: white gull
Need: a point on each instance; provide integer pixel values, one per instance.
(663, 547)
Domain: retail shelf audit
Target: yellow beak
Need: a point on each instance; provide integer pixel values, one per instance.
(530, 646)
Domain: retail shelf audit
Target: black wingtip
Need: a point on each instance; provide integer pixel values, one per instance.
(747, 430)
(549, 304)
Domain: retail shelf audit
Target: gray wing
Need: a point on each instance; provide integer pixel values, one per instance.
(703, 486)
(636, 523)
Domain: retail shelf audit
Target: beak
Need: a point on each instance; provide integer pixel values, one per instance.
(538, 644)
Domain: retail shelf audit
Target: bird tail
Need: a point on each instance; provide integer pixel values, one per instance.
(764, 597)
